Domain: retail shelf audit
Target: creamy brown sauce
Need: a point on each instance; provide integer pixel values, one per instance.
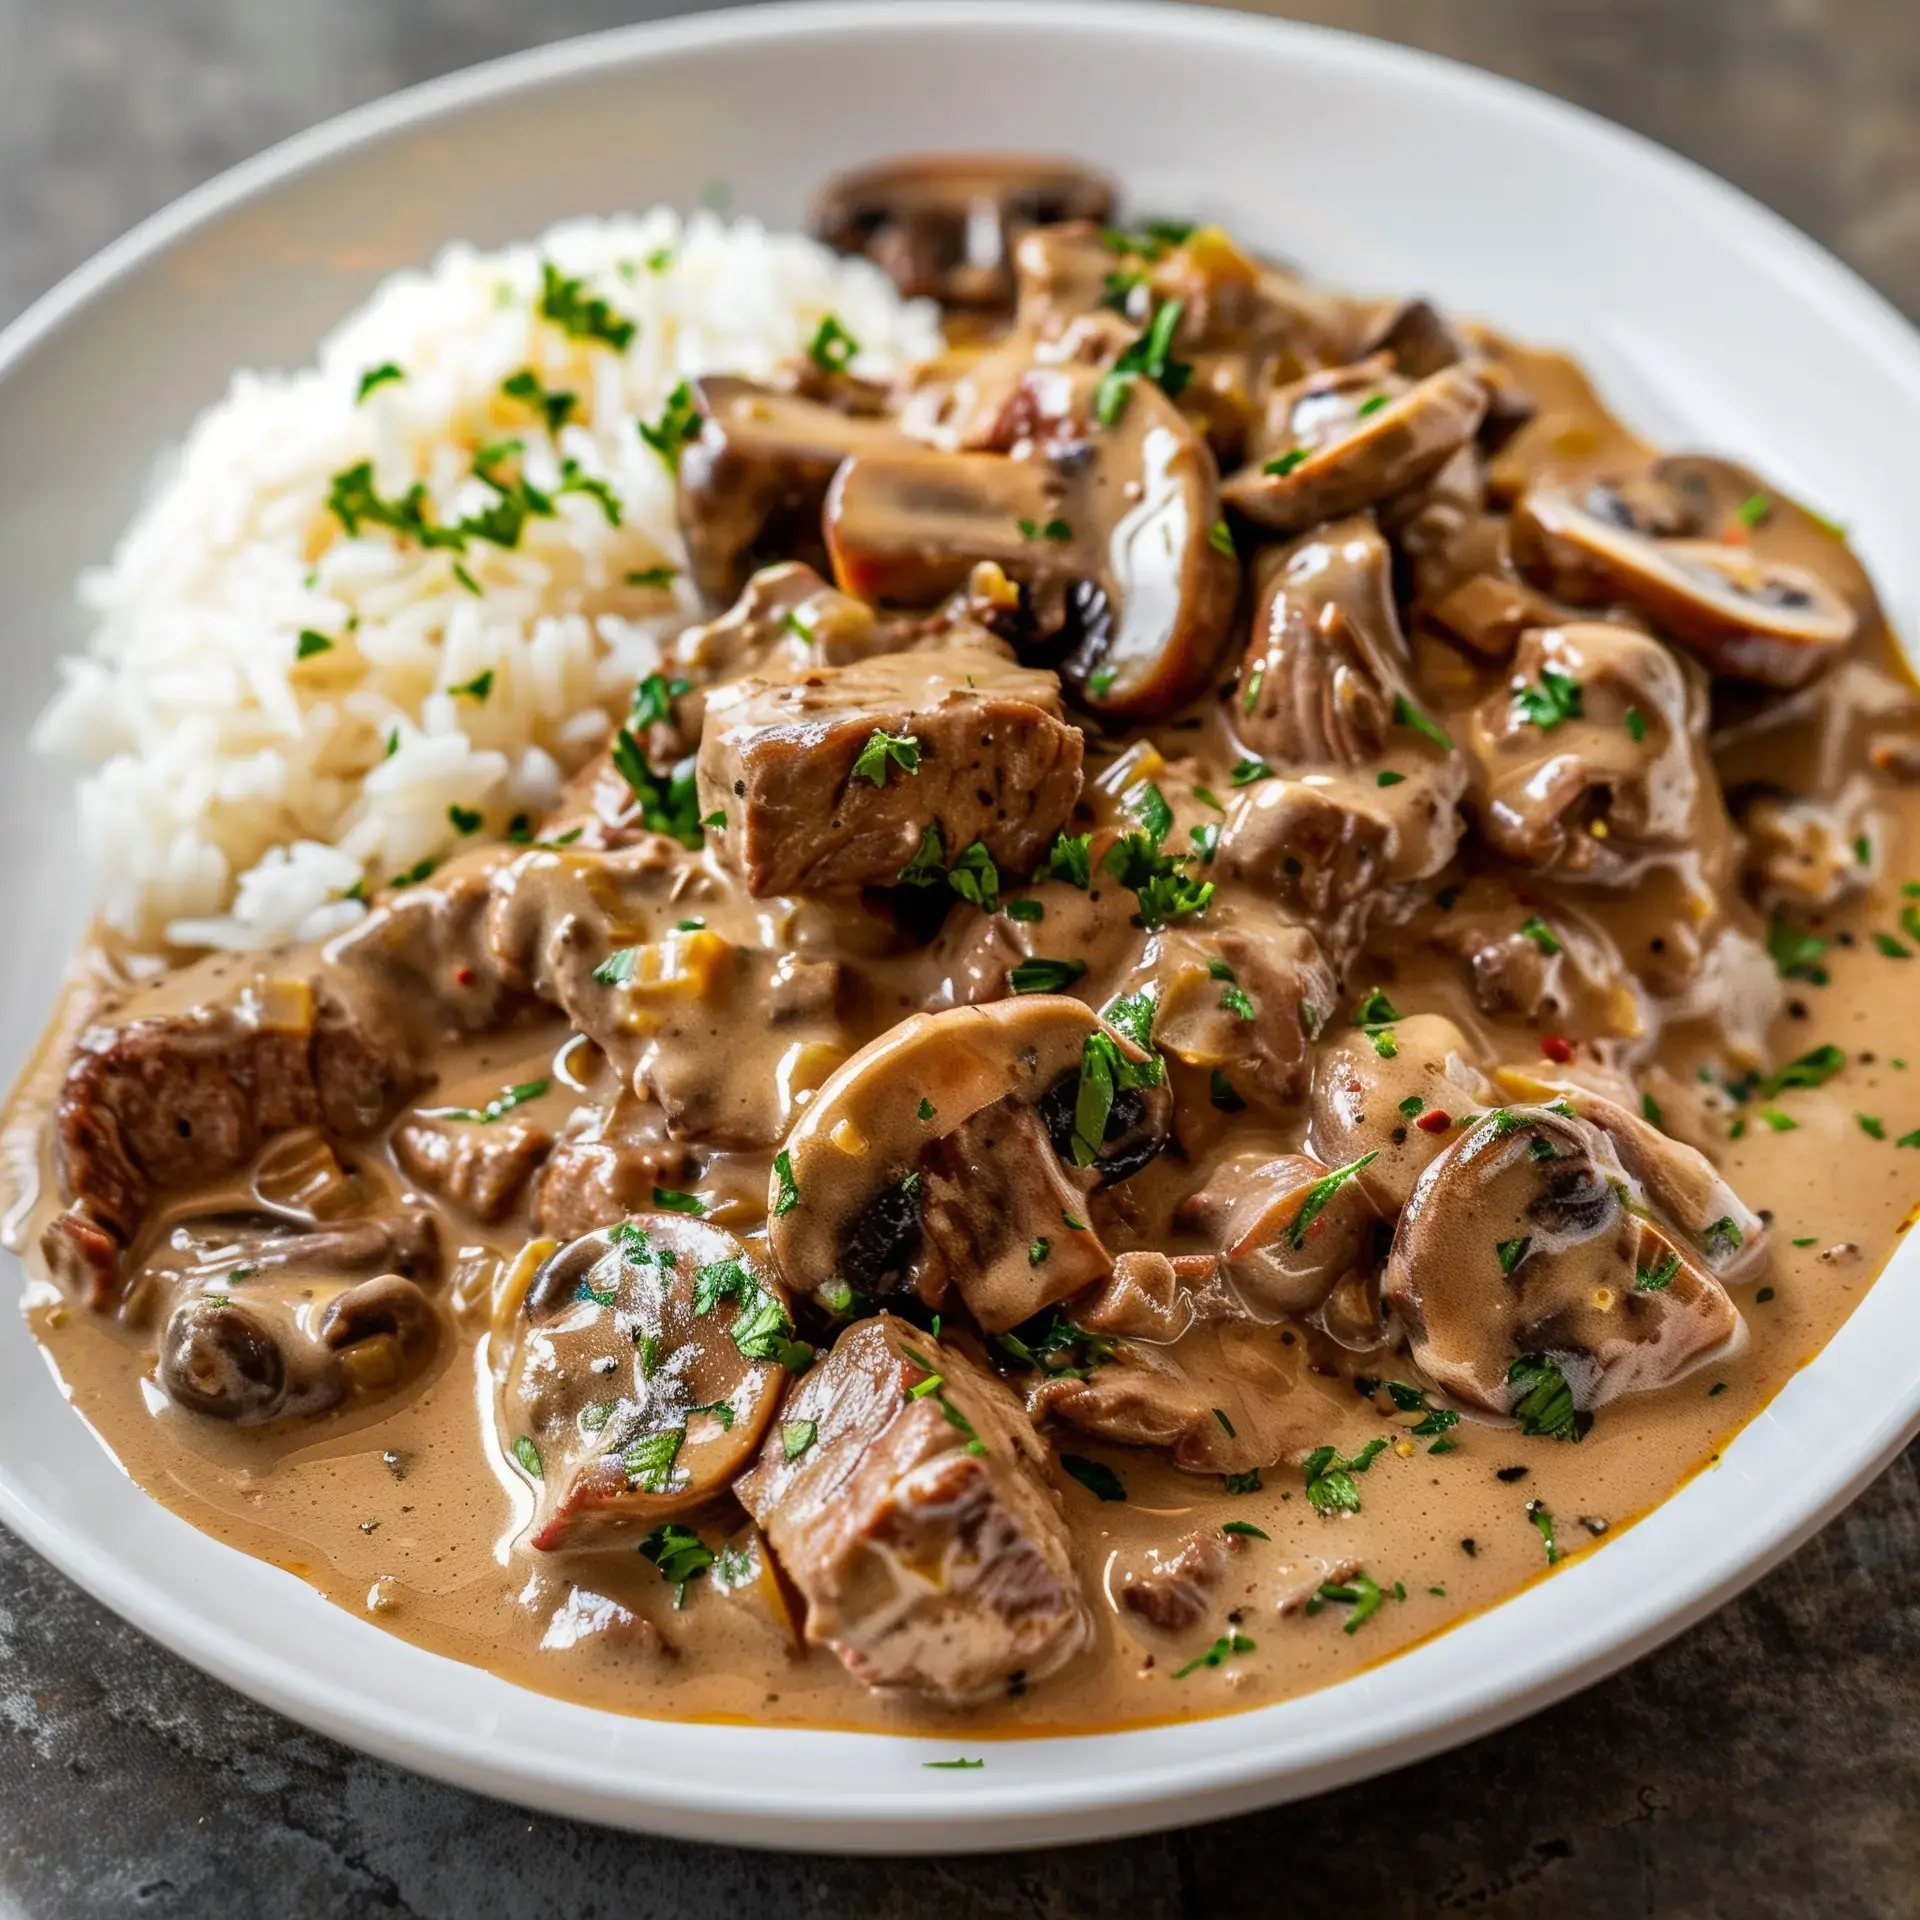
(407, 1508)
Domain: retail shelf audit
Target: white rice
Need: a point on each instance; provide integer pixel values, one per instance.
(243, 795)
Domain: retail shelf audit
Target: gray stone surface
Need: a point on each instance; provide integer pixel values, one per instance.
(1766, 1764)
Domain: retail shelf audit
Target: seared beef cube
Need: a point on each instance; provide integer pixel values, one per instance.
(903, 1492)
(815, 800)
(478, 1168)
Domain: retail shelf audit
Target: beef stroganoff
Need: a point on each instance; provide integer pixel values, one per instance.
(1193, 974)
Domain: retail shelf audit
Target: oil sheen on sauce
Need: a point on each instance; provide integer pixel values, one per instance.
(407, 1512)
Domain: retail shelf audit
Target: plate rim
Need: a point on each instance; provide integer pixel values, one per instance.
(1248, 1772)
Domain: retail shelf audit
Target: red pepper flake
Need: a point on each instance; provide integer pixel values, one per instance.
(1733, 534)
(1556, 1049)
(1434, 1121)
(463, 976)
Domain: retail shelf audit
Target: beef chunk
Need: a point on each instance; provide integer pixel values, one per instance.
(997, 1203)
(606, 1169)
(480, 1169)
(920, 1530)
(1170, 1594)
(166, 1100)
(992, 759)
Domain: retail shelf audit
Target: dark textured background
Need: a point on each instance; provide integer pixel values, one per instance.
(1766, 1764)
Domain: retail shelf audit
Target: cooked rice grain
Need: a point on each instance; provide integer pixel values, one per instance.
(243, 792)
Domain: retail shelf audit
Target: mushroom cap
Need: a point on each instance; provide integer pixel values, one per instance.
(1748, 616)
(1527, 1237)
(854, 1157)
(1342, 439)
(1364, 1102)
(1589, 793)
(643, 1369)
(757, 470)
(945, 225)
(1111, 528)
(1326, 656)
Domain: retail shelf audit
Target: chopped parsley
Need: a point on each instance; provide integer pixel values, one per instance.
(962, 1764)
(1370, 406)
(1540, 1518)
(501, 1103)
(885, 749)
(673, 1200)
(1216, 1655)
(1872, 1127)
(1406, 714)
(1237, 1002)
(1070, 858)
(789, 1195)
(1512, 1252)
(680, 1555)
(1096, 1476)
(1037, 1250)
(1220, 539)
(476, 689)
(375, 377)
(1028, 910)
(1557, 698)
(653, 698)
(1055, 530)
(1106, 1071)
(679, 425)
(1150, 355)
(311, 643)
(1658, 1277)
(1360, 1593)
(973, 875)
(1636, 724)
(1280, 467)
(832, 349)
(652, 576)
(1246, 772)
(1795, 953)
(928, 862)
(1388, 778)
(1244, 1529)
(1220, 1092)
(1376, 1016)
(669, 803)
(528, 1456)
(1542, 1401)
(1331, 1487)
(1045, 976)
(1813, 1069)
(554, 405)
(1249, 1482)
(650, 1460)
(796, 1436)
(580, 315)
(1543, 936)
(1315, 1203)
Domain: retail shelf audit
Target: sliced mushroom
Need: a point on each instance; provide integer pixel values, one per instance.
(1251, 1208)
(640, 1376)
(890, 1145)
(1413, 334)
(944, 226)
(753, 481)
(244, 1363)
(1243, 1002)
(1393, 1096)
(1113, 531)
(1727, 1237)
(1340, 440)
(1526, 1247)
(1327, 659)
(1593, 755)
(382, 1330)
(1747, 616)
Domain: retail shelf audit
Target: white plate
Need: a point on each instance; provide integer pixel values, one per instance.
(1710, 321)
